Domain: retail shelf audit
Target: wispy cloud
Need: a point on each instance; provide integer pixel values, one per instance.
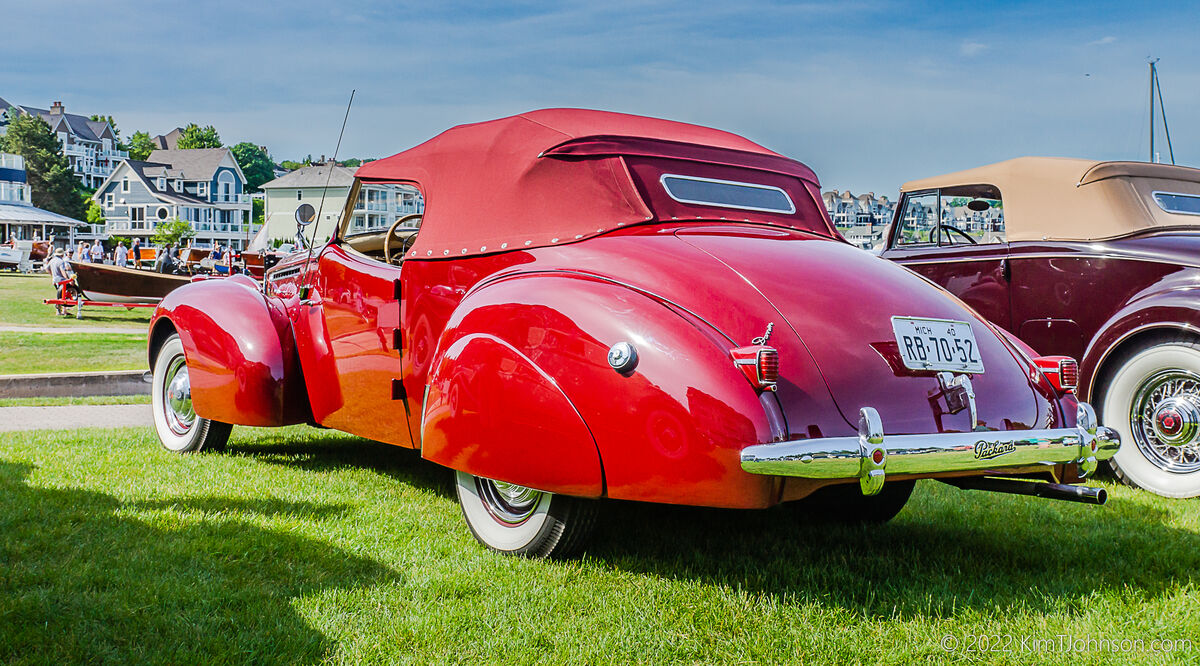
(1108, 39)
(972, 49)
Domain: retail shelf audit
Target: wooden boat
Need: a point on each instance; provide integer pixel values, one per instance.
(114, 284)
(190, 257)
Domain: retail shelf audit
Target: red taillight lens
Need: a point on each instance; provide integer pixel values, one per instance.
(1062, 371)
(759, 363)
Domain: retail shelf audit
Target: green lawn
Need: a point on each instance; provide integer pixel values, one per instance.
(22, 353)
(302, 545)
(83, 400)
(21, 305)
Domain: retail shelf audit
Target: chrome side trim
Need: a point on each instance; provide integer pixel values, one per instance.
(872, 455)
(1165, 325)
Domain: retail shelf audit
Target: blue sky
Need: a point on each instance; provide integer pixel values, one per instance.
(869, 94)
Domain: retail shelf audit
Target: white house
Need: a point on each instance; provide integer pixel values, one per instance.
(90, 145)
(376, 208)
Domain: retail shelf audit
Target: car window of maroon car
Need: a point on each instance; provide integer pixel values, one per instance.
(963, 215)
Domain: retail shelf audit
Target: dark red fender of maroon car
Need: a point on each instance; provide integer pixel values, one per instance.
(240, 352)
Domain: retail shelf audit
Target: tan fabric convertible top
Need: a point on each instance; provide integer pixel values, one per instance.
(1058, 198)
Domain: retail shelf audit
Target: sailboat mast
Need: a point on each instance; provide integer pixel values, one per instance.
(1162, 108)
(1152, 109)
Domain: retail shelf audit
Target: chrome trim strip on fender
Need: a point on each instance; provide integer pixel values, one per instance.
(872, 455)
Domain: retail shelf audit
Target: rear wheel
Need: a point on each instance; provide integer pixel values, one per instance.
(516, 520)
(1153, 400)
(845, 503)
(175, 421)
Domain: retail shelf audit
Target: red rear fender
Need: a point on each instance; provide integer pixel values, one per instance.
(240, 352)
(523, 392)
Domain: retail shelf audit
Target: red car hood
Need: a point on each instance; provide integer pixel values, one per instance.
(836, 303)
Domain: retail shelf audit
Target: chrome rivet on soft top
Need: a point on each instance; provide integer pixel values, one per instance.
(622, 357)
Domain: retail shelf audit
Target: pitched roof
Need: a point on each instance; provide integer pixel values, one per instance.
(146, 171)
(313, 176)
(82, 126)
(193, 163)
(168, 141)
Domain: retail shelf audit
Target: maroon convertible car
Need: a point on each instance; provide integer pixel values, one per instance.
(1099, 261)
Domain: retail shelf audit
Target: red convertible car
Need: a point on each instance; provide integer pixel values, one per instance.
(1099, 261)
(597, 305)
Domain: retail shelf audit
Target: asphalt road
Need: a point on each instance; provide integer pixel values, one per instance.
(71, 417)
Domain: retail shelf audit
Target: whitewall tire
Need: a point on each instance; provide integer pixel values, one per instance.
(516, 520)
(178, 427)
(1152, 398)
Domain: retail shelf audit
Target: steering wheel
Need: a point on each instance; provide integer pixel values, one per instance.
(404, 245)
(954, 229)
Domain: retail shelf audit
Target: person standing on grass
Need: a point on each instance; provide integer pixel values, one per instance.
(60, 275)
(120, 254)
(135, 253)
(97, 253)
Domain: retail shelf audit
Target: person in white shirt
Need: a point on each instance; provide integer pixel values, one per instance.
(120, 254)
(97, 253)
(60, 273)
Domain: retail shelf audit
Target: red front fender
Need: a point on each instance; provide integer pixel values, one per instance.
(240, 352)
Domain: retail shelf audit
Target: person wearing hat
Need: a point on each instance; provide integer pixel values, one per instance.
(60, 275)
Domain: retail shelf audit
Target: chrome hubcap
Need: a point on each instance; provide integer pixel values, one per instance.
(177, 398)
(1165, 420)
(508, 503)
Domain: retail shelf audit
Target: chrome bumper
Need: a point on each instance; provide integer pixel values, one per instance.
(871, 456)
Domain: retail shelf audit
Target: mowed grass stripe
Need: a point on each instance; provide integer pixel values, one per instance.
(301, 545)
(25, 353)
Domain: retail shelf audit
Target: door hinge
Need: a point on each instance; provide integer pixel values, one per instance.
(397, 340)
(397, 290)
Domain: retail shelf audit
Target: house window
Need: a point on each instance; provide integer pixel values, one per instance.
(125, 184)
(162, 184)
(108, 200)
(297, 195)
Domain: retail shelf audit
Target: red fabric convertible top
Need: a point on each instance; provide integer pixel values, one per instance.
(555, 176)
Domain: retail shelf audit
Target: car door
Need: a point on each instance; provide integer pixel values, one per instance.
(937, 234)
(348, 339)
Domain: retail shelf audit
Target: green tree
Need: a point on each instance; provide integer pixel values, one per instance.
(172, 232)
(95, 214)
(140, 146)
(352, 162)
(195, 136)
(292, 166)
(258, 210)
(48, 172)
(256, 165)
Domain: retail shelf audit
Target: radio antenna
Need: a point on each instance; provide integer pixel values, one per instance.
(317, 222)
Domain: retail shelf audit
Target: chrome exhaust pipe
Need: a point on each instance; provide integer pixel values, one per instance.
(1058, 491)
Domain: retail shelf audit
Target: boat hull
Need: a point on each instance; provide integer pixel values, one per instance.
(113, 284)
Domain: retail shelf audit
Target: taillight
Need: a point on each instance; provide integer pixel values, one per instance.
(760, 364)
(1062, 371)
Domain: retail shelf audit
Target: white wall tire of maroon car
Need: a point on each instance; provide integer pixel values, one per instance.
(1152, 398)
(178, 427)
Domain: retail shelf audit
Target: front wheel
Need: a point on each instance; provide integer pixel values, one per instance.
(178, 427)
(516, 520)
(1153, 400)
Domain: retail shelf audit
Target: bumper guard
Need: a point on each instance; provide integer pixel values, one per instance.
(871, 456)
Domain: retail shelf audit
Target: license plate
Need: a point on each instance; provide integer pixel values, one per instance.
(937, 344)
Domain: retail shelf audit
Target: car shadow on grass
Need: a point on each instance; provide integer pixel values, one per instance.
(324, 454)
(948, 551)
(85, 578)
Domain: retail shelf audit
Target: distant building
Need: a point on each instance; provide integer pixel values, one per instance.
(168, 141)
(376, 208)
(90, 145)
(861, 219)
(203, 186)
(18, 216)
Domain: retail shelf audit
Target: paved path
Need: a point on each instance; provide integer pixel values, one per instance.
(70, 417)
(77, 329)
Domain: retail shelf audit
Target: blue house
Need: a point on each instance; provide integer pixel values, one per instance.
(202, 186)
